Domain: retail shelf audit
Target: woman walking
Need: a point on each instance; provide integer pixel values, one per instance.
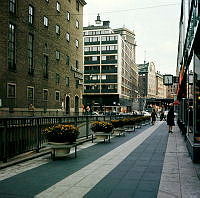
(153, 117)
(170, 119)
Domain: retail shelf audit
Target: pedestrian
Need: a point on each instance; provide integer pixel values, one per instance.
(170, 119)
(153, 117)
(162, 116)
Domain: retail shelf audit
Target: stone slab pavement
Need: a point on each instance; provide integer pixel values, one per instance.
(146, 163)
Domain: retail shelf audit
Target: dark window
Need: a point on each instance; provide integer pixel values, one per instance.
(57, 78)
(77, 83)
(77, 5)
(67, 60)
(57, 96)
(67, 81)
(12, 6)
(76, 64)
(30, 14)
(30, 53)
(45, 94)
(45, 66)
(30, 93)
(11, 47)
(11, 90)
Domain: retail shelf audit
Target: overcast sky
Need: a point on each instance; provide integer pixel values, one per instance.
(154, 22)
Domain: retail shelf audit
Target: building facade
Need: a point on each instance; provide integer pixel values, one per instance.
(147, 80)
(41, 55)
(160, 87)
(110, 72)
(188, 70)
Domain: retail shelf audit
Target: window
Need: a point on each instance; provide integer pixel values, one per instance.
(67, 60)
(45, 21)
(77, 5)
(58, 29)
(12, 6)
(57, 55)
(68, 16)
(30, 53)
(77, 24)
(58, 6)
(11, 47)
(76, 64)
(77, 43)
(45, 66)
(57, 78)
(57, 96)
(67, 81)
(30, 93)
(11, 90)
(77, 83)
(30, 14)
(67, 36)
(45, 94)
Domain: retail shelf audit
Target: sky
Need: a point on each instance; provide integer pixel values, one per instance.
(155, 23)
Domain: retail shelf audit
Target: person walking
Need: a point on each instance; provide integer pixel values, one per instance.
(153, 117)
(170, 119)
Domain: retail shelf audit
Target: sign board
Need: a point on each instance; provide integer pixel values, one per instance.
(168, 79)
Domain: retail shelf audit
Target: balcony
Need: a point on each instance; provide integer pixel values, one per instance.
(109, 52)
(109, 91)
(91, 62)
(109, 70)
(92, 91)
(91, 71)
(92, 43)
(109, 42)
(108, 61)
(109, 81)
(91, 81)
(91, 52)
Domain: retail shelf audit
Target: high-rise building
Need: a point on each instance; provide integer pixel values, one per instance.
(110, 71)
(41, 55)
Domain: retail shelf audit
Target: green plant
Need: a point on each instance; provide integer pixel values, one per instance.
(100, 126)
(61, 133)
(117, 123)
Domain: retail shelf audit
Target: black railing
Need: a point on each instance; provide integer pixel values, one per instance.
(22, 134)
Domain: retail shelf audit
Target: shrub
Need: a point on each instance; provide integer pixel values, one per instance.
(61, 133)
(100, 126)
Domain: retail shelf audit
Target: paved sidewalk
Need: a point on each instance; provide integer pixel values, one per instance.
(146, 163)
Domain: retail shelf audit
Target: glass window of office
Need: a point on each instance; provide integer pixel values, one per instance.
(196, 97)
(12, 6)
(30, 14)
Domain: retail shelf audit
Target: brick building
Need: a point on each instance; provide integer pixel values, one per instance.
(41, 55)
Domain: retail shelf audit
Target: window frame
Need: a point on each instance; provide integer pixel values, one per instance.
(58, 6)
(44, 99)
(46, 21)
(27, 93)
(30, 14)
(15, 91)
(12, 6)
(56, 96)
(57, 55)
(30, 52)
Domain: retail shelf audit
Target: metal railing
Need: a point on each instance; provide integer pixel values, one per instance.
(22, 134)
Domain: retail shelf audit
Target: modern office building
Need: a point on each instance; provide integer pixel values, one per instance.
(188, 69)
(110, 71)
(41, 56)
(147, 80)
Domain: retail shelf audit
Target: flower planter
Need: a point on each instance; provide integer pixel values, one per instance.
(61, 149)
(102, 136)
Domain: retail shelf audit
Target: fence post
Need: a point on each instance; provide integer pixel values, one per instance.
(75, 121)
(5, 142)
(87, 127)
(37, 135)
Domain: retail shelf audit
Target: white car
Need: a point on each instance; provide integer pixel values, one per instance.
(145, 113)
